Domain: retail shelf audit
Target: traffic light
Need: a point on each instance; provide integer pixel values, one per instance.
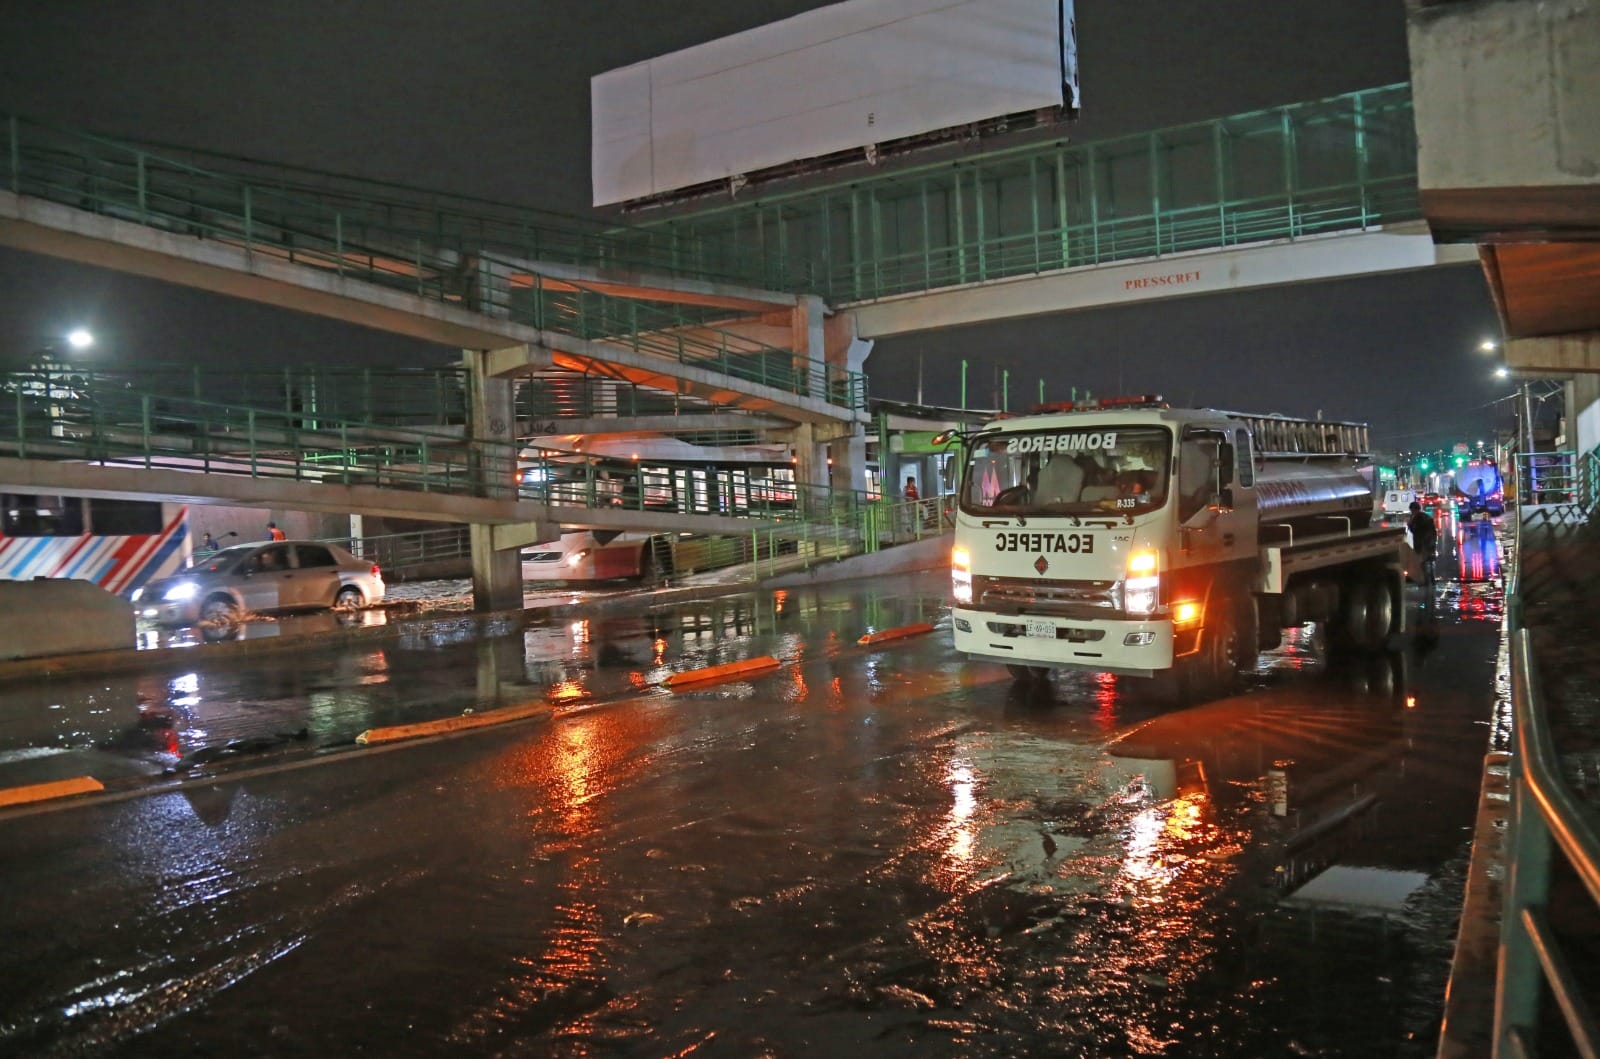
(1461, 461)
(1423, 464)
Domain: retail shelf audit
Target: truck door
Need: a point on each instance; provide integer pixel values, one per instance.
(1216, 495)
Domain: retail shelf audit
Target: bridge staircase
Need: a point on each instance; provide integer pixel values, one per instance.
(657, 310)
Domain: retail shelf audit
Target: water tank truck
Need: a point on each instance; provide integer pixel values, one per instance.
(1478, 490)
(1171, 545)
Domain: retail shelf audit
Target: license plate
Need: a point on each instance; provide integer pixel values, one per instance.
(1045, 630)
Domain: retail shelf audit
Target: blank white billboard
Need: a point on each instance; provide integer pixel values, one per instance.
(840, 77)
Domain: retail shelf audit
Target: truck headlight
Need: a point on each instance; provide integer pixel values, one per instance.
(1143, 587)
(961, 575)
(1139, 594)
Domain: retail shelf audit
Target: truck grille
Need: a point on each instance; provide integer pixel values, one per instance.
(1062, 599)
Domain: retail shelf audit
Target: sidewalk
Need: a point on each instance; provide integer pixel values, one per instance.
(1558, 572)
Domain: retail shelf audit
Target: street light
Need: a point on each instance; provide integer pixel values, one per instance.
(80, 338)
(1502, 372)
(1488, 345)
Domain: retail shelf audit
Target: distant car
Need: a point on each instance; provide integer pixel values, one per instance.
(1398, 501)
(261, 578)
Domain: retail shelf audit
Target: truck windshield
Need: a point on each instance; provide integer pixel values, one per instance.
(1073, 471)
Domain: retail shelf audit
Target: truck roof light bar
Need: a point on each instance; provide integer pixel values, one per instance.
(1097, 404)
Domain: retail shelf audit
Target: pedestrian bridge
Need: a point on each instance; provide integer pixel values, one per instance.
(722, 308)
(1292, 194)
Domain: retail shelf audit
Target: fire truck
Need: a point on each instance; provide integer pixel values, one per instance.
(1125, 536)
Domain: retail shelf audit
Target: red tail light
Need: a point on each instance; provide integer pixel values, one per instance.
(375, 571)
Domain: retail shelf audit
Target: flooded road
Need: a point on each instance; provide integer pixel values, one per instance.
(879, 851)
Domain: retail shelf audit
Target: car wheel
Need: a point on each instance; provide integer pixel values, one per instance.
(349, 598)
(219, 610)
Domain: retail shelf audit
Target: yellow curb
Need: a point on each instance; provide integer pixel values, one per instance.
(726, 671)
(894, 634)
(452, 724)
(41, 792)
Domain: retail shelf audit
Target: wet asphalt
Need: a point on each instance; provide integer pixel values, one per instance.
(884, 851)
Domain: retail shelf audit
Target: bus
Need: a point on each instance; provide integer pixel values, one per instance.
(120, 545)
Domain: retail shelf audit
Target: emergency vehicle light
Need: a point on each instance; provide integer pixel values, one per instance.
(1141, 400)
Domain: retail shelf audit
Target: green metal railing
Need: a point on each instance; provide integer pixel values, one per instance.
(1339, 164)
(53, 416)
(467, 224)
(1546, 818)
(128, 183)
(423, 397)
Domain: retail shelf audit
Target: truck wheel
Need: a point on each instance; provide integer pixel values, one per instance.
(1380, 615)
(1225, 653)
(1348, 630)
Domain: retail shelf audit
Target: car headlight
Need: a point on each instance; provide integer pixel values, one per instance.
(181, 591)
(138, 594)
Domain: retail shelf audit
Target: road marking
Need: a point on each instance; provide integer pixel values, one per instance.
(726, 671)
(459, 723)
(42, 792)
(895, 634)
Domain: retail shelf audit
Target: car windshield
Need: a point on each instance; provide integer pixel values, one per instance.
(1073, 471)
(223, 561)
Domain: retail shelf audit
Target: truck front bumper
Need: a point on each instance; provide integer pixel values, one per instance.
(1131, 648)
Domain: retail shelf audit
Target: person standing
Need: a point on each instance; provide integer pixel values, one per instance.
(911, 489)
(1425, 542)
(273, 532)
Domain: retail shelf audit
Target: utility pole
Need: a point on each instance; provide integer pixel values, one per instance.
(963, 385)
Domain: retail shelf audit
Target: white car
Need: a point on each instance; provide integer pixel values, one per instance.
(261, 578)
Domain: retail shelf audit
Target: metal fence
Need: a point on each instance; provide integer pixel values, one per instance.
(1540, 975)
(1339, 164)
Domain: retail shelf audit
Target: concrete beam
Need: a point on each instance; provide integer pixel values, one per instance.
(1556, 354)
(1180, 275)
(522, 534)
(259, 275)
(191, 487)
(619, 426)
(1507, 100)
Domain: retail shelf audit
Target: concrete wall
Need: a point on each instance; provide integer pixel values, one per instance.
(54, 617)
(250, 523)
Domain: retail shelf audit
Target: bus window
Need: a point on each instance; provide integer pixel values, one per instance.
(43, 516)
(123, 518)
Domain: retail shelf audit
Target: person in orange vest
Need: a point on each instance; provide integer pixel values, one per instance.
(911, 489)
(273, 532)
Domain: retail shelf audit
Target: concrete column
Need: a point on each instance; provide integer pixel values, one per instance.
(491, 463)
(849, 469)
(496, 572)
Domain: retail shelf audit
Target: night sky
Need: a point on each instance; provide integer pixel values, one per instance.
(490, 98)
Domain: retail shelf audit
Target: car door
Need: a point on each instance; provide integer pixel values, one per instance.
(265, 579)
(317, 577)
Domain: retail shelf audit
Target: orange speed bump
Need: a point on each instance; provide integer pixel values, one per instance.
(452, 724)
(726, 671)
(895, 634)
(42, 792)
